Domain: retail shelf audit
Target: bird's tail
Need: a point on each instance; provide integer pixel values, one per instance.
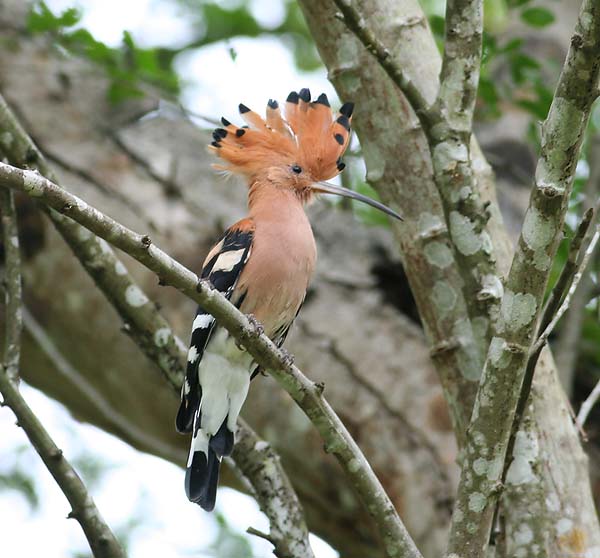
(202, 473)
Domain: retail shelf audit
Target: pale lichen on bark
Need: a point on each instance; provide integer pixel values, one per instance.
(521, 304)
(447, 124)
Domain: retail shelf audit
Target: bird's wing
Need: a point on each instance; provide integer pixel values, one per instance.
(222, 268)
(279, 339)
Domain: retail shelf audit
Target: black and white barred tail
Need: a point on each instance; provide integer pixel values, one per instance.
(202, 472)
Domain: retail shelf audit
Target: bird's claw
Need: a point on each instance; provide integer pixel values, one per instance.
(286, 357)
(258, 327)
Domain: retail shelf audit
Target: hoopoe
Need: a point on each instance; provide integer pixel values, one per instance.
(262, 264)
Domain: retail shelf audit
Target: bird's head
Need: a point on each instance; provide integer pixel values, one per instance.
(299, 152)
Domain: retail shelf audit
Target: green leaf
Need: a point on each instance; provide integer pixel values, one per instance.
(368, 215)
(437, 24)
(23, 484)
(537, 17)
(41, 19)
(517, 3)
(521, 66)
(488, 91)
(514, 44)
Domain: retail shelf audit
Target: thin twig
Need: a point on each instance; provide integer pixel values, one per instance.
(567, 274)
(566, 346)
(100, 538)
(588, 405)
(543, 338)
(12, 284)
(307, 394)
(356, 23)
(565, 282)
(258, 462)
(556, 305)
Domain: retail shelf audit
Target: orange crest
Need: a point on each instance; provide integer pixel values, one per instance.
(308, 139)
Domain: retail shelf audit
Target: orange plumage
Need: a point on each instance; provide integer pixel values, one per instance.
(309, 138)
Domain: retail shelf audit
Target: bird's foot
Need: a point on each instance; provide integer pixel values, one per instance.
(203, 284)
(258, 327)
(286, 357)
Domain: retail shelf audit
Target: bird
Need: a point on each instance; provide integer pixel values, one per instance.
(262, 264)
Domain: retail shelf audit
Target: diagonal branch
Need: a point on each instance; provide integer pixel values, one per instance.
(307, 394)
(154, 336)
(500, 385)
(356, 23)
(100, 538)
(461, 64)
(258, 462)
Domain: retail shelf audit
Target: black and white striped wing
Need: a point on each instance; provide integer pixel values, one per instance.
(222, 270)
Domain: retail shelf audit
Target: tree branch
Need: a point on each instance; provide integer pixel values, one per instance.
(499, 390)
(461, 63)
(356, 23)
(12, 286)
(259, 464)
(568, 342)
(307, 394)
(588, 405)
(570, 288)
(100, 538)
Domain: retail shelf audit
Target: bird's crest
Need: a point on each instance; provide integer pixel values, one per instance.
(309, 138)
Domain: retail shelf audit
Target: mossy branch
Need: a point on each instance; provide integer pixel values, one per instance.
(447, 126)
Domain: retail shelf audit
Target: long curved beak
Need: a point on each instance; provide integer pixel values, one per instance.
(328, 188)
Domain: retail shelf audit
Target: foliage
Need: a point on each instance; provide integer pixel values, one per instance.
(131, 67)
(128, 67)
(15, 477)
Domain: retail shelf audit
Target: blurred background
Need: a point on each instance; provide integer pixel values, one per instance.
(187, 63)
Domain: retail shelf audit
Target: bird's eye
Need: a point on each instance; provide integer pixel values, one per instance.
(297, 169)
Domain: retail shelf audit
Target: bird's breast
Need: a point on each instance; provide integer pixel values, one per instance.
(278, 271)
